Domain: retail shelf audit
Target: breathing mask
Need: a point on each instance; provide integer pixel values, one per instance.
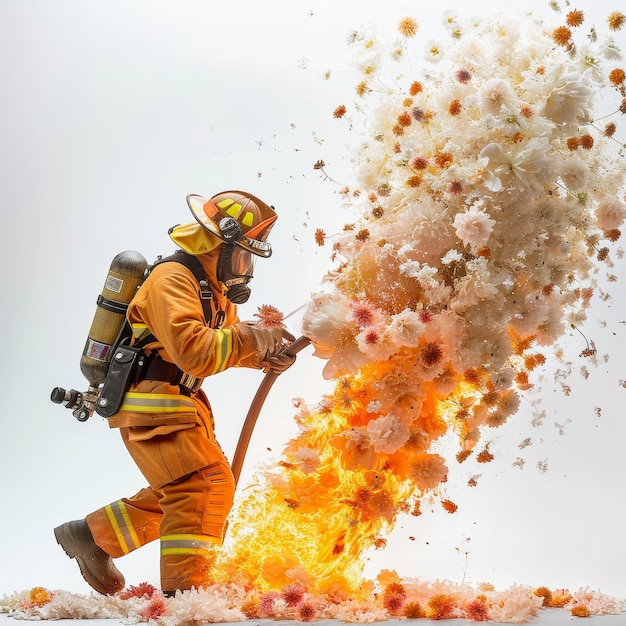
(236, 264)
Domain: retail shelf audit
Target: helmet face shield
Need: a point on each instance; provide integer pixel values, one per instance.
(241, 262)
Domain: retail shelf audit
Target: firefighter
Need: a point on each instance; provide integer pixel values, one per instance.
(165, 418)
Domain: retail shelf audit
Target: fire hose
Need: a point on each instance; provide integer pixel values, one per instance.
(255, 408)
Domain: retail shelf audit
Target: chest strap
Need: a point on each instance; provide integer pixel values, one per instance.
(159, 369)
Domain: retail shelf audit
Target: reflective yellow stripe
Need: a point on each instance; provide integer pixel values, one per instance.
(224, 341)
(156, 403)
(122, 526)
(187, 544)
(140, 331)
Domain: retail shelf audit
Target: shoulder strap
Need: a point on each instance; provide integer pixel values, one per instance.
(193, 264)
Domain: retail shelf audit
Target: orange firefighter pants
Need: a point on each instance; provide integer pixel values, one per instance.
(186, 505)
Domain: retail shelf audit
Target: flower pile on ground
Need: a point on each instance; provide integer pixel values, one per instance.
(389, 598)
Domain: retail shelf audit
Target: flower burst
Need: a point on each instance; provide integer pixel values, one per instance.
(487, 192)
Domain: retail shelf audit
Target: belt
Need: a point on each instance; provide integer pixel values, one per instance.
(159, 369)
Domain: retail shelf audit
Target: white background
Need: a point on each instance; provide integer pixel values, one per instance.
(112, 111)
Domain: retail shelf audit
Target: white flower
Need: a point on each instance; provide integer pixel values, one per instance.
(475, 286)
(522, 169)
(324, 322)
(451, 256)
(575, 173)
(495, 94)
(433, 51)
(474, 227)
(374, 406)
(610, 213)
(424, 273)
(610, 50)
(405, 328)
(387, 433)
(568, 102)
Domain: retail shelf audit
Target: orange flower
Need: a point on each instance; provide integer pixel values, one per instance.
(443, 159)
(616, 20)
(572, 143)
(250, 609)
(39, 596)
(340, 111)
(449, 506)
(414, 181)
(575, 18)
(617, 76)
(562, 35)
(455, 107)
(413, 610)
(269, 316)
(404, 119)
(362, 88)
(609, 129)
(408, 27)
(461, 456)
(320, 236)
(441, 606)
(545, 593)
(580, 610)
(485, 456)
(415, 88)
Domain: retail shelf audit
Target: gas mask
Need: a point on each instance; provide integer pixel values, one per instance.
(234, 269)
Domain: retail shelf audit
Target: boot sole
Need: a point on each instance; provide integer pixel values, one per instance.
(65, 539)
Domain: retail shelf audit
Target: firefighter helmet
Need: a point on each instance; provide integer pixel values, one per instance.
(236, 217)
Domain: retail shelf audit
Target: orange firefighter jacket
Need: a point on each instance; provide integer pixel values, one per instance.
(168, 306)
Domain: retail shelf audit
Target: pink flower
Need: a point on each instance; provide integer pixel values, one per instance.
(388, 434)
(428, 470)
(474, 227)
(610, 213)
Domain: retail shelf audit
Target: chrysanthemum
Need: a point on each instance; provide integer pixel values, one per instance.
(415, 88)
(616, 20)
(269, 316)
(617, 76)
(562, 35)
(407, 27)
(428, 471)
(340, 111)
(575, 18)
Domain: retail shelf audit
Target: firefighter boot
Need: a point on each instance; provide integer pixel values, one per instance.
(95, 564)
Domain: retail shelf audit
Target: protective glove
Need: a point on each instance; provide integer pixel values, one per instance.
(269, 342)
(280, 362)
